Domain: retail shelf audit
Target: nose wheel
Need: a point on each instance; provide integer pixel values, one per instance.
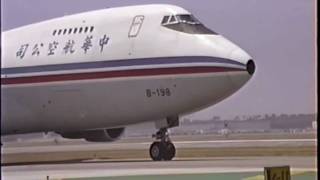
(163, 148)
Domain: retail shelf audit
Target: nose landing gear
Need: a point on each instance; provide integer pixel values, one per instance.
(162, 148)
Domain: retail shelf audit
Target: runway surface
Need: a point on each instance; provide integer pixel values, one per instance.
(51, 146)
(147, 167)
(197, 158)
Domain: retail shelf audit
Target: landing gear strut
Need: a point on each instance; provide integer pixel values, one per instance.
(162, 148)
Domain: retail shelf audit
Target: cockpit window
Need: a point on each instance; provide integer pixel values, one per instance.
(173, 19)
(187, 19)
(165, 19)
(186, 23)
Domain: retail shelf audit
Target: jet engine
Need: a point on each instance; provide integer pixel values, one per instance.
(100, 135)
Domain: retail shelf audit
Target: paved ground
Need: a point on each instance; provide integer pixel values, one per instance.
(215, 176)
(145, 167)
(197, 158)
(85, 146)
(48, 151)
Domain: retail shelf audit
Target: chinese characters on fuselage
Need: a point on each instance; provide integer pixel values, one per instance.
(68, 47)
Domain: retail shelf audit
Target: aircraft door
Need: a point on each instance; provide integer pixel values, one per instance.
(134, 30)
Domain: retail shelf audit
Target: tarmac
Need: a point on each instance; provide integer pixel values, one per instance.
(197, 158)
(84, 146)
(242, 166)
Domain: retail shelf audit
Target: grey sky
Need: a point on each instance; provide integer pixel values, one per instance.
(279, 34)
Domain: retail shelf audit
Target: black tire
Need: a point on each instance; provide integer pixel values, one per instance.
(169, 152)
(156, 151)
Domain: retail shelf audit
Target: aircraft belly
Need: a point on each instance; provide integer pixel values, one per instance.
(108, 103)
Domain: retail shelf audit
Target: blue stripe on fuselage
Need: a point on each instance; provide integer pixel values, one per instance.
(118, 63)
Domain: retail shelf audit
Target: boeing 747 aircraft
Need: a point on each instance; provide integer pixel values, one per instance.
(90, 75)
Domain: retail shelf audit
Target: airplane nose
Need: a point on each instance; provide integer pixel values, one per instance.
(251, 67)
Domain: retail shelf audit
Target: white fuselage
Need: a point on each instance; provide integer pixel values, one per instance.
(124, 67)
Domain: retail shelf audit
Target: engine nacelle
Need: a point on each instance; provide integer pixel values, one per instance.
(101, 135)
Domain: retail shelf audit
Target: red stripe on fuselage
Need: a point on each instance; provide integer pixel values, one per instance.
(115, 74)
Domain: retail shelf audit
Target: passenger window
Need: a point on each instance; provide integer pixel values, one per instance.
(54, 32)
(80, 30)
(91, 29)
(70, 30)
(75, 30)
(165, 20)
(65, 31)
(60, 31)
(136, 26)
(86, 29)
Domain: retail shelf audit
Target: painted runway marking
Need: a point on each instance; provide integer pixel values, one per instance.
(233, 141)
(244, 141)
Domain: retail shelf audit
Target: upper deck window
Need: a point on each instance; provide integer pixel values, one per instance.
(76, 30)
(186, 23)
